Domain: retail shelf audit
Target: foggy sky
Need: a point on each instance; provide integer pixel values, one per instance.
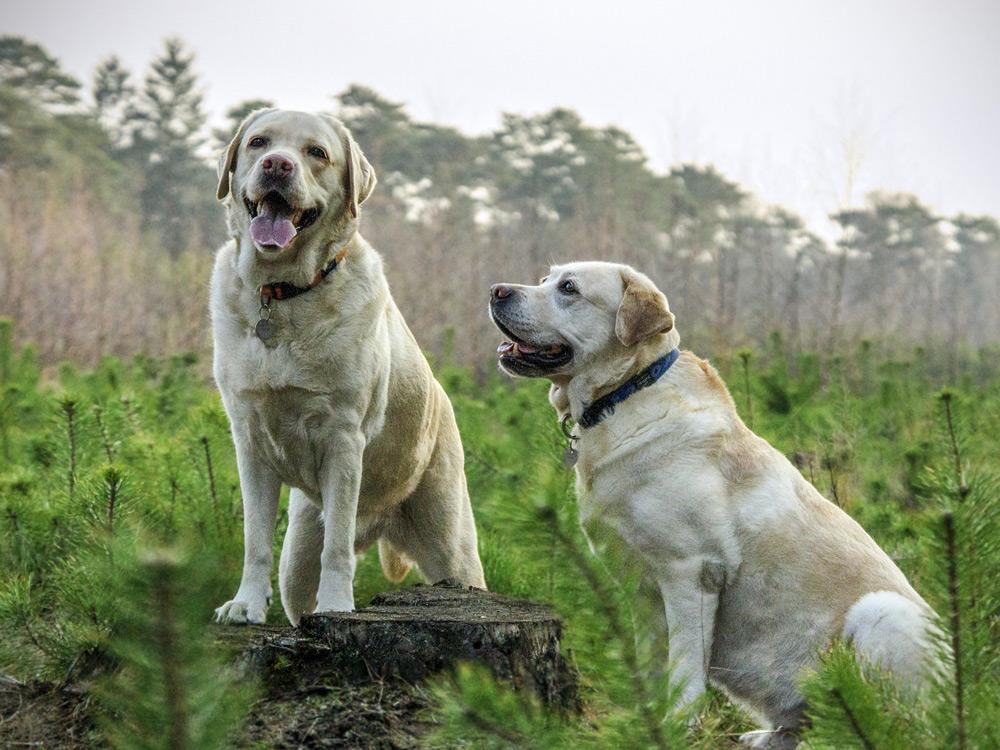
(774, 93)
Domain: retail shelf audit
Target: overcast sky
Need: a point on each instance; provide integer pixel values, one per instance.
(775, 93)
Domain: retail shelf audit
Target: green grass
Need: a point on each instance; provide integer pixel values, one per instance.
(119, 484)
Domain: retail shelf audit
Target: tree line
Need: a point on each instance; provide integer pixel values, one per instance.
(108, 222)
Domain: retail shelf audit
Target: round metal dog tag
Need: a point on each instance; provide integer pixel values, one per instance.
(264, 330)
(570, 457)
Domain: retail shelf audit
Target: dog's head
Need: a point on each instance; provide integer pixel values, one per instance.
(288, 172)
(579, 317)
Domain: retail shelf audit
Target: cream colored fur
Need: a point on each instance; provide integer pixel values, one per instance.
(341, 405)
(758, 572)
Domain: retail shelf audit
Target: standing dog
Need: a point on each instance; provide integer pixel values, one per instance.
(325, 386)
(758, 571)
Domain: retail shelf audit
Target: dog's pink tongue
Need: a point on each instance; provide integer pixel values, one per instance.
(267, 229)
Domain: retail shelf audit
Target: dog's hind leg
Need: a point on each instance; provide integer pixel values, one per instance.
(299, 568)
(434, 527)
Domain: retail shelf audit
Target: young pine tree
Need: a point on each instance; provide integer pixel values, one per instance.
(174, 690)
(177, 197)
(853, 705)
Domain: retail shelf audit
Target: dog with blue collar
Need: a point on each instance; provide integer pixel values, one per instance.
(759, 573)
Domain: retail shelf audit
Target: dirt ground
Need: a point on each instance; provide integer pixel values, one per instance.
(323, 714)
(44, 715)
(382, 716)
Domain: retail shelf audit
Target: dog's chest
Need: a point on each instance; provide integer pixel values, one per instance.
(653, 491)
(248, 365)
(284, 399)
(289, 429)
(299, 352)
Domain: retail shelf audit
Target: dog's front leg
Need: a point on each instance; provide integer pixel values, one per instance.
(690, 598)
(340, 481)
(260, 488)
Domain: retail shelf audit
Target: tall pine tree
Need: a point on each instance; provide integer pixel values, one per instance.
(114, 101)
(176, 196)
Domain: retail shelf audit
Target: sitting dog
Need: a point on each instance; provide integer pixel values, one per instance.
(758, 572)
(325, 386)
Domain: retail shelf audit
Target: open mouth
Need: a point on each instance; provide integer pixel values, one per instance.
(518, 355)
(274, 222)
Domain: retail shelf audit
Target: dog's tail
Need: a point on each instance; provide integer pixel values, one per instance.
(394, 565)
(898, 634)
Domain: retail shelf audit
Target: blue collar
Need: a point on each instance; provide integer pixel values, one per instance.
(605, 405)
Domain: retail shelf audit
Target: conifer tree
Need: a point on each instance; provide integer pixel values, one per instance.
(169, 122)
(114, 101)
(33, 72)
(173, 689)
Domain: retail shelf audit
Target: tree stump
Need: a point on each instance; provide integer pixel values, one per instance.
(418, 631)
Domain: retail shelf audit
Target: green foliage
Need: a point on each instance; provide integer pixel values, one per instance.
(99, 469)
(112, 478)
(475, 711)
(28, 68)
(173, 687)
(854, 706)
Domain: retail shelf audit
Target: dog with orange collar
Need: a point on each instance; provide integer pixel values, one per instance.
(326, 388)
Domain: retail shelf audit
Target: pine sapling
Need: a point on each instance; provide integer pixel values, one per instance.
(963, 488)
(852, 719)
(745, 355)
(68, 406)
(172, 689)
(605, 601)
(211, 479)
(6, 352)
(105, 440)
(956, 625)
(112, 488)
(829, 463)
(162, 584)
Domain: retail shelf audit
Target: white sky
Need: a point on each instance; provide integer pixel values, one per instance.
(768, 91)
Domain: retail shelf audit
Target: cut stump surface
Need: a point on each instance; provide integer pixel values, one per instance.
(418, 631)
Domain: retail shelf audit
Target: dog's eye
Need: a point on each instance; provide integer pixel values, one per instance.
(568, 287)
(258, 141)
(316, 151)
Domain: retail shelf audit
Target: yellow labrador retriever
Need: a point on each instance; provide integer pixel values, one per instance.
(758, 572)
(325, 386)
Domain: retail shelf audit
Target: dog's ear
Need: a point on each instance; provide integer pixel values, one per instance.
(643, 311)
(360, 174)
(227, 159)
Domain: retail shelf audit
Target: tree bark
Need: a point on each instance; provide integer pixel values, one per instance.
(418, 631)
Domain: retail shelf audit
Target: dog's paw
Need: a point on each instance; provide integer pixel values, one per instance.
(336, 594)
(770, 739)
(335, 606)
(241, 612)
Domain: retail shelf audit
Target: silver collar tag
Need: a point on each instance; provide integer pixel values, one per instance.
(571, 454)
(265, 329)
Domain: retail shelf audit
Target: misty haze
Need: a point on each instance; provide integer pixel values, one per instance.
(813, 187)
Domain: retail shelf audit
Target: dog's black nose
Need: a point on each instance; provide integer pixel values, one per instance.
(500, 291)
(276, 165)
